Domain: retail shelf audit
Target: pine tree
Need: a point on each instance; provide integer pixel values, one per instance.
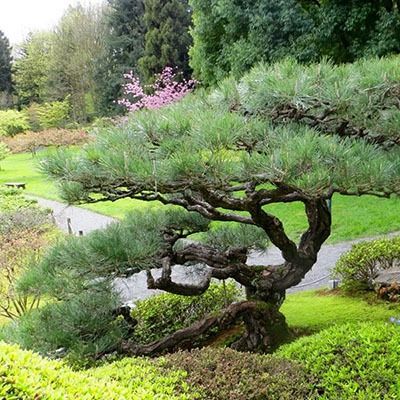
(125, 44)
(167, 38)
(283, 135)
(5, 64)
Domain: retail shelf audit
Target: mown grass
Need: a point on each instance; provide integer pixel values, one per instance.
(313, 311)
(353, 217)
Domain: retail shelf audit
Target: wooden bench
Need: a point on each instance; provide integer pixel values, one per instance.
(18, 185)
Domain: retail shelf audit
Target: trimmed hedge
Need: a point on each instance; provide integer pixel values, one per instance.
(164, 314)
(26, 376)
(229, 375)
(359, 267)
(33, 141)
(352, 361)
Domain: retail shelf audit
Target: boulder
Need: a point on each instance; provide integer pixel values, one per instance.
(387, 284)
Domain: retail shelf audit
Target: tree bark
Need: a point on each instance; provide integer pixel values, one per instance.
(265, 329)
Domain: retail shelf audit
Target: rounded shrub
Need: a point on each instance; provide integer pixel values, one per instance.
(12, 122)
(48, 115)
(164, 314)
(25, 376)
(359, 267)
(351, 361)
(225, 374)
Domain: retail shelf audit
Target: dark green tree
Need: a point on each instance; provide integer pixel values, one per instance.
(347, 30)
(125, 44)
(167, 39)
(283, 134)
(5, 65)
(231, 37)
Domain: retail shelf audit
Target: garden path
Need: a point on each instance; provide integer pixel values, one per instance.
(135, 287)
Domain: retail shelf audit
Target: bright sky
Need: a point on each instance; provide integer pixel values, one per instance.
(19, 17)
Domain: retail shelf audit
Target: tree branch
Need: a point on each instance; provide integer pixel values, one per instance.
(184, 338)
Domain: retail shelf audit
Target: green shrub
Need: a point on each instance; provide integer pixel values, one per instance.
(359, 267)
(230, 375)
(12, 199)
(19, 213)
(352, 361)
(86, 327)
(4, 151)
(32, 114)
(12, 122)
(163, 314)
(48, 115)
(25, 376)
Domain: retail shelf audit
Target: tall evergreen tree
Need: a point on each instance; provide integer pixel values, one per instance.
(5, 64)
(125, 44)
(167, 38)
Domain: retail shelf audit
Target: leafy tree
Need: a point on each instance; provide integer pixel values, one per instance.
(124, 46)
(79, 47)
(348, 30)
(5, 65)
(282, 134)
(167, 37)
(32, 68)
(231, 37)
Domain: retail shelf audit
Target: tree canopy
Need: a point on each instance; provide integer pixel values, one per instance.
(32, 68)
(5, 64)
(282, 134)
(167, 38)
(78, 49)
(231, 37)
(124, 44)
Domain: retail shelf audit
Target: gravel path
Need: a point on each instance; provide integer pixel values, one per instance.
(80, 219)
(135, 287)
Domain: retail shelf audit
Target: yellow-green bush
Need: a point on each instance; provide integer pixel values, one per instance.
(48, 115)
(12, 122)
(26, 376)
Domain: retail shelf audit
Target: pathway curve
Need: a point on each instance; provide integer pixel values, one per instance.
(80, 218)
(135, 287)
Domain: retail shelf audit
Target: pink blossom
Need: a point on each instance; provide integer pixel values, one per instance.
(165, 90)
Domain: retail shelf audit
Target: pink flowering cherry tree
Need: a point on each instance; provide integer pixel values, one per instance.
(165, 90)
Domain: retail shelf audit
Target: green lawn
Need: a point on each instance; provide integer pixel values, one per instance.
(353, 217)
(314, 311)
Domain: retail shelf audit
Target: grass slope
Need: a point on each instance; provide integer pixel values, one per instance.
(316, 310)
(353, 217)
